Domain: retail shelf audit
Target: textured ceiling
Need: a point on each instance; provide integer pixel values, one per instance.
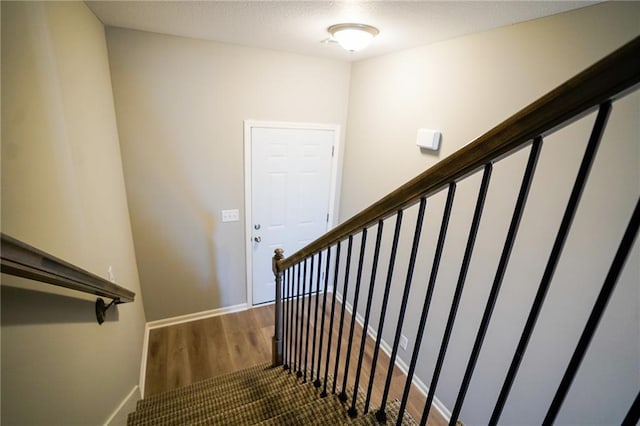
(300, 26)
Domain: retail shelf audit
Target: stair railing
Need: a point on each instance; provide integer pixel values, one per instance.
(597, 87)
(23, 260)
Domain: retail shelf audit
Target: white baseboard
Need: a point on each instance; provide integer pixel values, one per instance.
(196, 316)
(128, 405)
(179, 320)
(143, 361)
(402, 366)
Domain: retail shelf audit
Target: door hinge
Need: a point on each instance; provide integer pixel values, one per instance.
(327, 217)
(333, 149)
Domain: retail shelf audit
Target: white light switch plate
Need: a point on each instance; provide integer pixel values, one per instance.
(404, 342)
(230, 215)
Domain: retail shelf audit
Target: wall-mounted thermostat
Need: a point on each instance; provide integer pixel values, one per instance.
(429, 139)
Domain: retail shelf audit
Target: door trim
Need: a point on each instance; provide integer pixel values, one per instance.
(333, 189)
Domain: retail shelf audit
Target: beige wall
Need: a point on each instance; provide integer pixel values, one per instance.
(63, 191)
(463, 87)
(180, 106)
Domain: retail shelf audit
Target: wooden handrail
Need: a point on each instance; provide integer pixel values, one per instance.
(607, 79)
(23, 260)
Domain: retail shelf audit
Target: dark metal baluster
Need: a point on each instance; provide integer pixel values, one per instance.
(306, 346)
(502, 266)
(354, 311)
(558, 245)
(315, 316)
(376, 253)
(381, 415)
(289, 317)
(427, 300)
(385, 299)
(632, 417)
(317, 382)
(596, 314)
(298, 325)
(323, 394)
(295, 280)
(304, 291)
(344, 302)
(290, 314)
(285, 306)
(466, 260)
(291, 320)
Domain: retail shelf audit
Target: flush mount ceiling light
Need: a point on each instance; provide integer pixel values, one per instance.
(353, 37)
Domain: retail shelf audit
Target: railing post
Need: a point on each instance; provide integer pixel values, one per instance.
(276, 342)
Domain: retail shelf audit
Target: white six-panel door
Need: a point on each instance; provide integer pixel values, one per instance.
(291, 174)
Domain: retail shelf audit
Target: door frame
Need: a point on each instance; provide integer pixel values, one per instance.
(333, 188)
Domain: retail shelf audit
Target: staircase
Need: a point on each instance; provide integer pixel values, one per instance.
(260, 395)
(276, 396)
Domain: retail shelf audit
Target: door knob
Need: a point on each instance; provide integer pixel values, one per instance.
(257, 239)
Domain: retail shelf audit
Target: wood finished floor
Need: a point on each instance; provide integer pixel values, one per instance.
(182, 354)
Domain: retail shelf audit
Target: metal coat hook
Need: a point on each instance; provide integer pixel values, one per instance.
(101, 309)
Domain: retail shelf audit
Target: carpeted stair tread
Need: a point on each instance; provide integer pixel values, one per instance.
(216, 403)
(322, 411)
(392, 416)
(228, 379)
(213, 396)
(238, 391)
(261, 395)
(290, 399)
(392, 413)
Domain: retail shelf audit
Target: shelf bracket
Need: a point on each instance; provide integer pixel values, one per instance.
(102, 307)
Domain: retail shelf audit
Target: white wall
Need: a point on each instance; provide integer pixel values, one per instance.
(180, 105)
(63, 192)
(464, 87)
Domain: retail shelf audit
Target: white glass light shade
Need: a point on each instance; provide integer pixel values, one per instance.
(353, 37)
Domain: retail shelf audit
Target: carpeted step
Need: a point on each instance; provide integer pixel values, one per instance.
(322, 411)
(258, 395)
(392, 417)
(228, 379)
(286, 399)
(217, 407)
(240, 391)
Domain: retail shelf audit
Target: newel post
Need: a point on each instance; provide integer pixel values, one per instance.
(276, 343)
